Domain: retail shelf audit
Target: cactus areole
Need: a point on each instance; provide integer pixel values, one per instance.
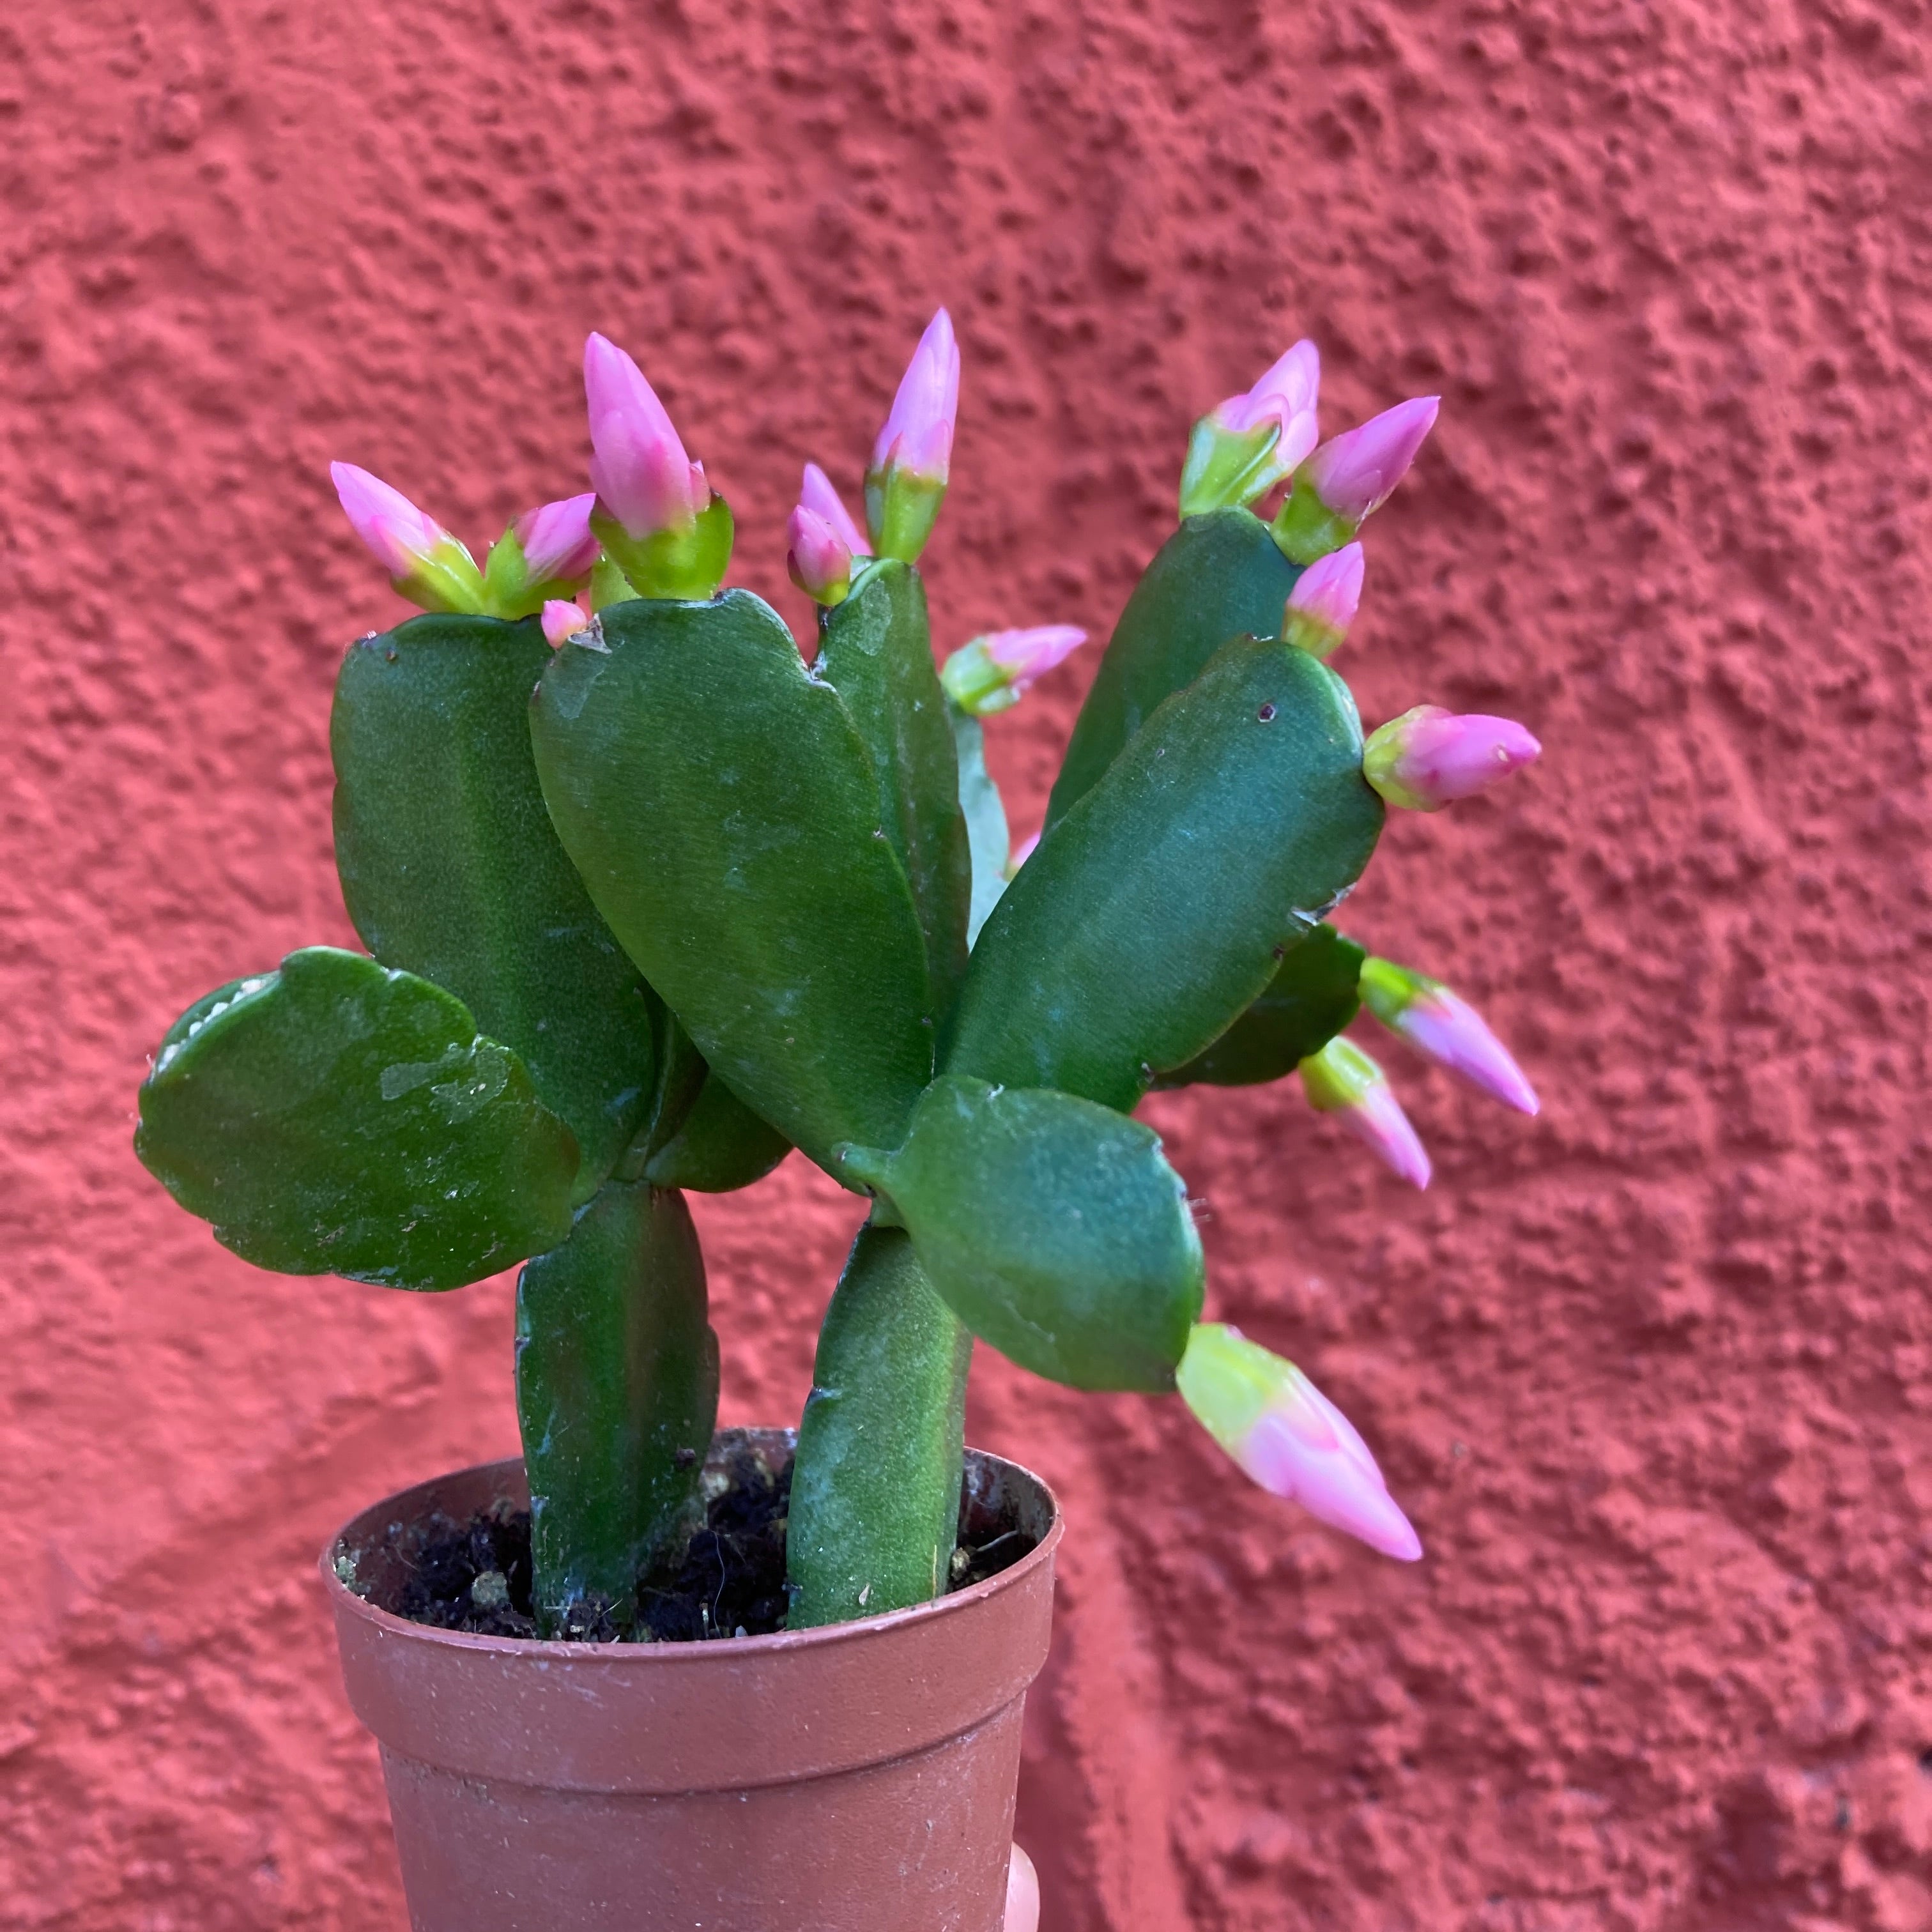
(651, 899)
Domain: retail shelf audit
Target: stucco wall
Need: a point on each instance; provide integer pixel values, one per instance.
(1651, 1375)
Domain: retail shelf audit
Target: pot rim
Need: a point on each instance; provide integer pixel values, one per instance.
(690, 1654)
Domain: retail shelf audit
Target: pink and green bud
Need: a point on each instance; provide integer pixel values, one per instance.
(992, 673)
(1428, 757)
(815, 494)
(563, 619)
(1323, 604)
(1245, 445)
(818, 559)
(656, 515)
(643, 477)
(559, 545)
(1349, 478)
(1448, 1030)
(912, 455)
(425, 563)
(547, 551)
(1020, 854)
(1289, 1437)
(1343, 1080)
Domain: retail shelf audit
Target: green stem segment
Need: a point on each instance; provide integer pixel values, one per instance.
(875, 1488)
(617, 1395)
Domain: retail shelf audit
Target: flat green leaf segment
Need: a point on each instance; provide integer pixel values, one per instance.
(617, 1396)
(720, 1145)
(875, 1487)
(1053, 1228)
(339, 1117)
(1218, 577)
(724, 812)
(989, 838)
(1314, 994)
(877, 654)
(1154, 913)
(451, 868)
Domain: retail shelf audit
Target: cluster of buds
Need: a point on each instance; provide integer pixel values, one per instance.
(1343, 1080)
(652, 525)
(545, 552)
(822, 541)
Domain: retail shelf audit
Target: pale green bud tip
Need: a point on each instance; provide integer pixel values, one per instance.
(1288, 1436)
(1389, 990)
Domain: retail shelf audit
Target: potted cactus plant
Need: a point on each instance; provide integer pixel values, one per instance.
(652, 897)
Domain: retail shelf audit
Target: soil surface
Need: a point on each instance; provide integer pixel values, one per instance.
(729, 1582)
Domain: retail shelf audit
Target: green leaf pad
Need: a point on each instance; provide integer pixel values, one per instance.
(1313, 995)
(1218, 577)
(724, 813)
(338, 1117)
(877, 654)
(1154, 913)
(451, 868)
(720, 1145)
(1053, 1228)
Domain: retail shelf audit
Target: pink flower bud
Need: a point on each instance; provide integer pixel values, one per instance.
(1021, 853)
(1448, 1030)
(990, 673)
(427, 564)
(1323, 604)
(1284, 396)
(562, 620)
(1289, 1437)
(1027, 655)
(642, 476)
(917, 435)
(1354, 472)
(819, 560)
(815, 494)
(557, 541)
(1429, 756)
(1343, 1081)
(398, 534)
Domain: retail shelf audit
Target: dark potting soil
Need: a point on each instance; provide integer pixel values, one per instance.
(730, 1582)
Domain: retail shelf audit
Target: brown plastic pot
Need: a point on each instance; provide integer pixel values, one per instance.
(858, 1778)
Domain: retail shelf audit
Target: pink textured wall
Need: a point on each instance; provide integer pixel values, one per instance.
(1653, 1375)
